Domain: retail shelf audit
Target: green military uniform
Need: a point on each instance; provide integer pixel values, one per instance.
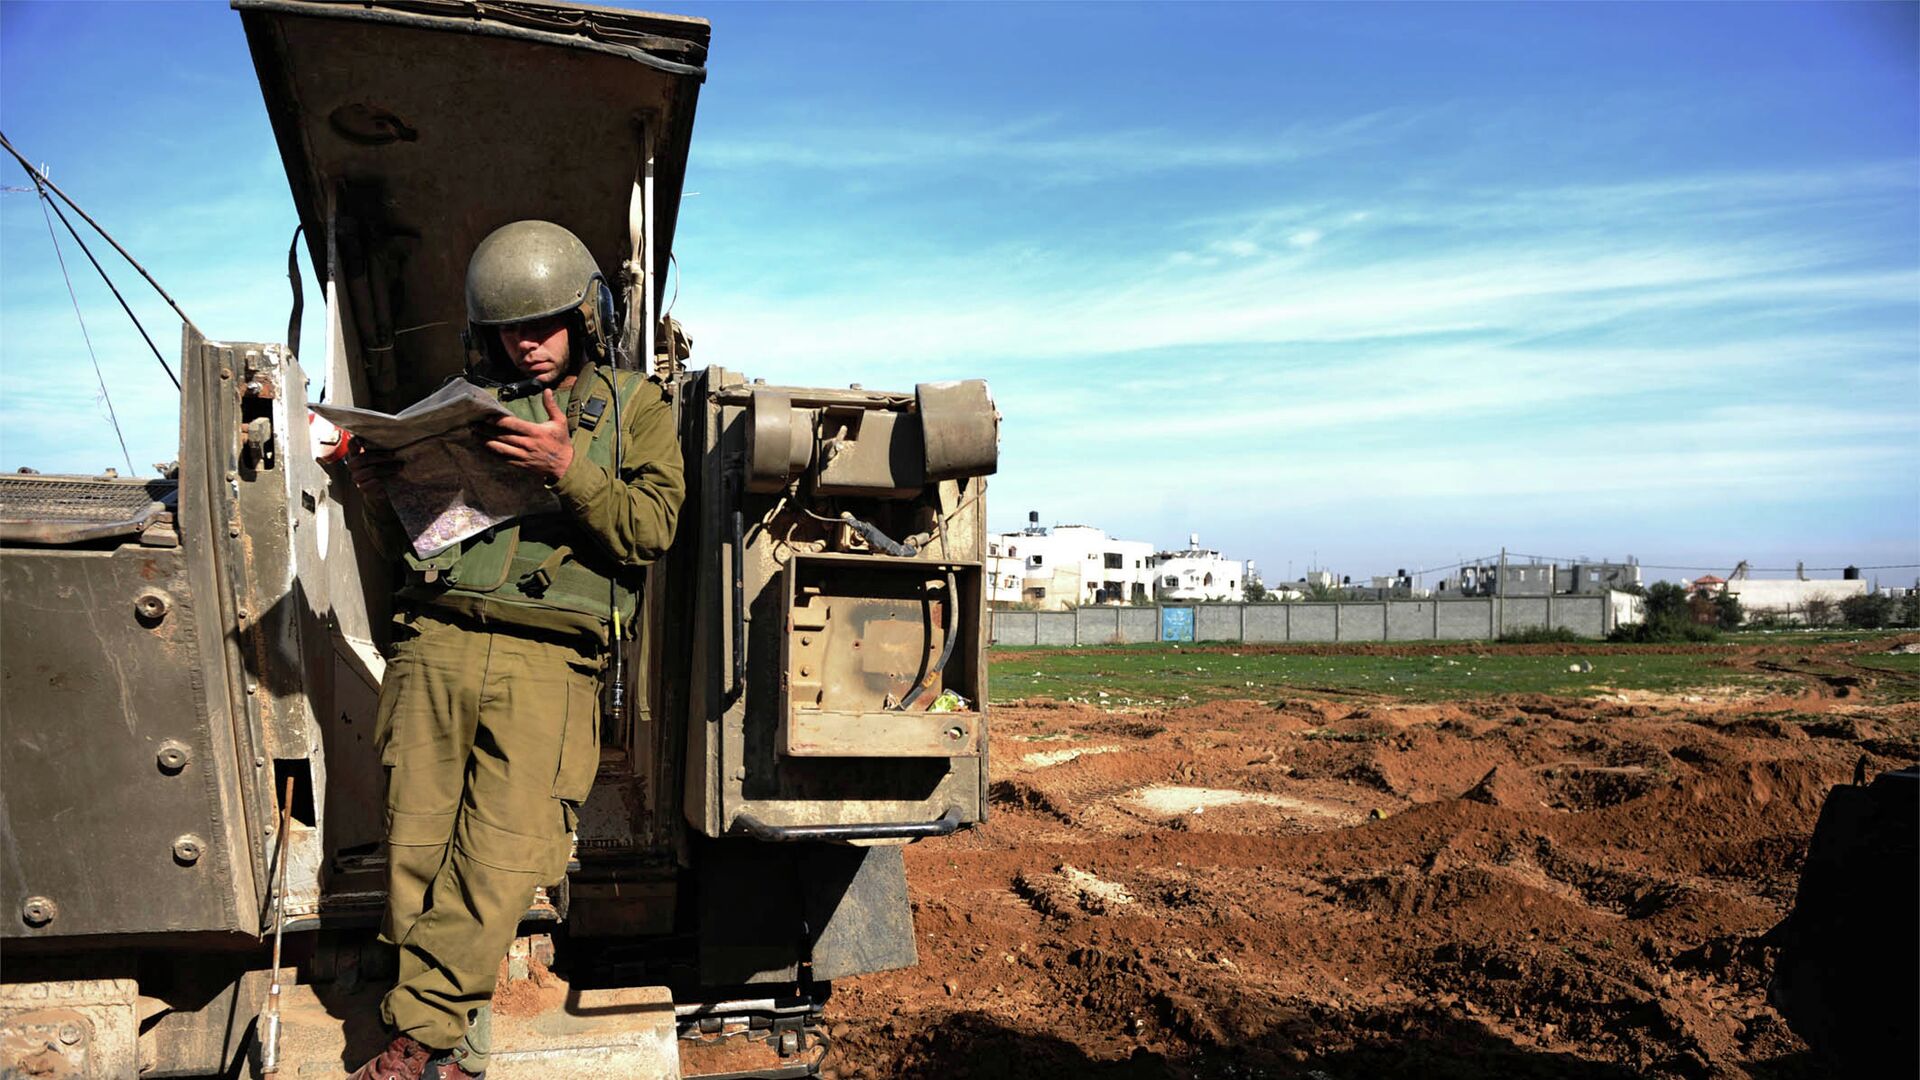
(490, 711)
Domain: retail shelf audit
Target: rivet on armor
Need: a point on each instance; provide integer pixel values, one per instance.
(151, 606)
(173, 756)
(38, 911)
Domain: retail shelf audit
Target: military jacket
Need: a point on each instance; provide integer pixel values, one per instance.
(568, 571)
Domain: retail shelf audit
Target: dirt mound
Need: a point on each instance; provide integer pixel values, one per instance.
(1511, 887)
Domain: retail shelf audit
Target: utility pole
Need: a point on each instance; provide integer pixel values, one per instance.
(1500, 597)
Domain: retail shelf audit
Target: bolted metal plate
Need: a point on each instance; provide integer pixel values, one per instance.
(106, 756)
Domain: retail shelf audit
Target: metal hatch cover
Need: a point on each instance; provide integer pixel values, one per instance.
(428, 123)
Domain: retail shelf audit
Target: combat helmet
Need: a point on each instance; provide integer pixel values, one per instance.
(530, 270)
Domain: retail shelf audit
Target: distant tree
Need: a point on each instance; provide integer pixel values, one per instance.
(1869, 612)
(1257, 593)
(1672, 614)
(1727, 614)
(1910, 609)
(1819, 611)
(1319, 592)
(1666, 601)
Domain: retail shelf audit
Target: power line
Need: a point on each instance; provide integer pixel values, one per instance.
(1788, 569)
(40, 178)
(1566, 560)
(1423, 571)
(1713, 569)
(88, 338)
(114, 290)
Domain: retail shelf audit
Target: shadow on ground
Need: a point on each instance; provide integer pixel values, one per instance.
(974, 1046)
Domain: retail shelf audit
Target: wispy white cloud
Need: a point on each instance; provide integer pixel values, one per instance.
(1278, 299)
(1573, 349)
(1047, 148)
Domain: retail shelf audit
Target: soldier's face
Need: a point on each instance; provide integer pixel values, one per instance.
(538, 348)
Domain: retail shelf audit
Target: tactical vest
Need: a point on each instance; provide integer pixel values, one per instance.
(543, 570)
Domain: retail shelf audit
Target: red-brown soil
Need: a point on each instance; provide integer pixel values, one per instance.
(1522, 887)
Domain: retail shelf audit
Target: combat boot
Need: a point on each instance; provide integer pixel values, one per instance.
(405, 1059)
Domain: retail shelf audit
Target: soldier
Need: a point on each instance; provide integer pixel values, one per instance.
(490, 710)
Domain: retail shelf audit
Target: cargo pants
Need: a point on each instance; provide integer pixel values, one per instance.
(491, 740)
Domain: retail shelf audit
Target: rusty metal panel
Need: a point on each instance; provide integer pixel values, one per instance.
(235, 445)
(108, 760)
(878, 734)
(857, 644)
(283, 589)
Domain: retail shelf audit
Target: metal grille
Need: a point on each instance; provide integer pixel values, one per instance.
(37, 509)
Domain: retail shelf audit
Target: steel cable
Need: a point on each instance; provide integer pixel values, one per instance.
(84, 335)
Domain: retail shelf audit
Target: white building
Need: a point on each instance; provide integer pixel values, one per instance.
(1067, 566)
(1785, 598)
(1005, 570)
(1198, 574)
(1788, 598)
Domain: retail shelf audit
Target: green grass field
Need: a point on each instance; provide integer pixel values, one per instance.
(1160, 674)
(1903, 671)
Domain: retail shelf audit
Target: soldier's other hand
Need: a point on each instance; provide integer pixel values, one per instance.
(371, 468)
(546, 448)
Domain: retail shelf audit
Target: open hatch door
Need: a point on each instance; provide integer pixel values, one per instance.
(411, 129)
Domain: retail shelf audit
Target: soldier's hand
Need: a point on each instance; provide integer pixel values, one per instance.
(371, 468)
(546, 448)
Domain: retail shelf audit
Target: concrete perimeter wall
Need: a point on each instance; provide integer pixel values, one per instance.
(1472, 619)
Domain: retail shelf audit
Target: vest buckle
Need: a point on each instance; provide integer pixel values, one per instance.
(536, 581)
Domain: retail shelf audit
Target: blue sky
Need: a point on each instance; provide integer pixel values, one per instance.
(1379, 285)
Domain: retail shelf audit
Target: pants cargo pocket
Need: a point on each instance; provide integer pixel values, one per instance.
(579, 737)
(505, 849)
(413, 828)
(395, 696)
(393, 700)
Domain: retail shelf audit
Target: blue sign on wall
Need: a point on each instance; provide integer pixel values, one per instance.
(1176, 624)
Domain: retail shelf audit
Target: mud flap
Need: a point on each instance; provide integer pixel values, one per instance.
(770, 908)
(1846, 979)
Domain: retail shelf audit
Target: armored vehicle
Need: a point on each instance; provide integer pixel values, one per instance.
(190, 665)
